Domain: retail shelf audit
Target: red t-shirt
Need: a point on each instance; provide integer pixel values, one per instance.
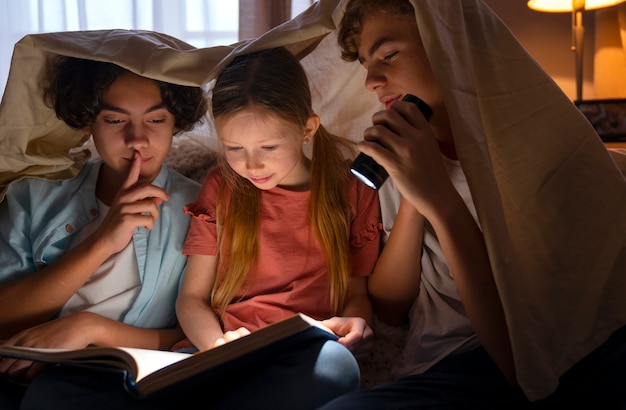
(291, 274)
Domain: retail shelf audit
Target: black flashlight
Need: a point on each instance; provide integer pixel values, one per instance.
(369, 171)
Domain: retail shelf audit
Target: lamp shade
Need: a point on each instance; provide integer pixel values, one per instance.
(556, 6)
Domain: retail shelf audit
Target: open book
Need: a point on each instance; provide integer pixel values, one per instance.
(153, 372)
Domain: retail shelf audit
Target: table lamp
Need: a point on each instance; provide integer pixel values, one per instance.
(576, 7)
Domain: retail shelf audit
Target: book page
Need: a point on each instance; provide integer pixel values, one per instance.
(262, 342)
(157, 369)
(149, 361)
(316, 323)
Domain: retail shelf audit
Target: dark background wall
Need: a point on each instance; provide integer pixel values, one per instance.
(548, 38)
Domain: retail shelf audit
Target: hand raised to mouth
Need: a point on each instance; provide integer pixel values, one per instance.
(135, 205)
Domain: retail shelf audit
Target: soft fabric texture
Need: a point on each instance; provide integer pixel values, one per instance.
(548, 195)
(438, 323)
(293, 276)
(113, 286)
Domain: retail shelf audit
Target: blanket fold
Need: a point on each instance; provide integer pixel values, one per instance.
(549, 196)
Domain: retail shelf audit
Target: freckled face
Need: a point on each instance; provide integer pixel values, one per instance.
(133, 118)
(264, 149)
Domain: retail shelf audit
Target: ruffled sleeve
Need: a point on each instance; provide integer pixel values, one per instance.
(202, 234)
(366, 228)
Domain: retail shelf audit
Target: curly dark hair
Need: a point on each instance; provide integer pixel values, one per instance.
(73, 87)
(352, 22)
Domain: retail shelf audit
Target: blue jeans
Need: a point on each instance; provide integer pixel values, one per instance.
(304, 377)
(471, 380)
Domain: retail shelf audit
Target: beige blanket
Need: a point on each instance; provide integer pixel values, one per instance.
(549, 197)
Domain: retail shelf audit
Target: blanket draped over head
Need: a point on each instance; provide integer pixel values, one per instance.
(549, 196)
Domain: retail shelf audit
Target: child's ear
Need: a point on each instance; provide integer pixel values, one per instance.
(87, 130)
(312, 124)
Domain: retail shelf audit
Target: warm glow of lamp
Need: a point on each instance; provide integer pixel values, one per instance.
(576, 7)
(560, 6)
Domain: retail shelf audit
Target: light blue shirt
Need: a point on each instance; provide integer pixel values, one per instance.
(38, 218)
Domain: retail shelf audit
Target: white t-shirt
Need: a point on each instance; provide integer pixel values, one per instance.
(439, 325)
(112, 288)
